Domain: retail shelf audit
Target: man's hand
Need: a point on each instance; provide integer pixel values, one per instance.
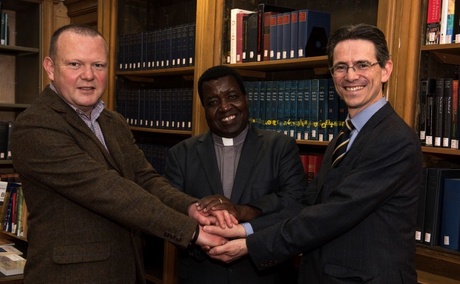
(230, 251)
(221, 218)
(213, 203)
(236, 231)
(207, 240)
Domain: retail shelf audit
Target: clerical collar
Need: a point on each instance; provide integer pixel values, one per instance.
(223, 141)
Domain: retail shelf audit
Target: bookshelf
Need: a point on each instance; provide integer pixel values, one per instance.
(211, 18)
(435, 264)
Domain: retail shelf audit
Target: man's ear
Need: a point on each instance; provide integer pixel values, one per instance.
(48, 64)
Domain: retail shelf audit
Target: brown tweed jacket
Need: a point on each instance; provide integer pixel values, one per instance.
(87, 206)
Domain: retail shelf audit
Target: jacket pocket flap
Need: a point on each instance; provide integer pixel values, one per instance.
(76, 253)
(343, 272)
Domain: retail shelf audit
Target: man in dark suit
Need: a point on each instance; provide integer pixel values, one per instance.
(88, 188)
(234, 166)
(359, 219)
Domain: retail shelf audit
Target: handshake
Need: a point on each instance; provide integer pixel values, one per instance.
(220, 233)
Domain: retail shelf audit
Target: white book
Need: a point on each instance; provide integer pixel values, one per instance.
(447, 21)
(233, 28)
(12, 264)
(9, 249)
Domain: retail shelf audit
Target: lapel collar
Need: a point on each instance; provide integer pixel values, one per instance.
(207, 156)
(251, 148)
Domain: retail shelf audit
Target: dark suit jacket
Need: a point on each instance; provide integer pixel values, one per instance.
(270, 177)
(87, 205)
(361, 229)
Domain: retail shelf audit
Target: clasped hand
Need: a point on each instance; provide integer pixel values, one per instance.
(220, 234)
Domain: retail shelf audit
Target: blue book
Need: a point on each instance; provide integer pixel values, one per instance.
(450, 218)
(273, 36)
(274, 104)
(286, 45)
(262, 105)
(314, 109)
(332, 110)
(281, 108)
(269, 106)
(250, 94)
(294, 53)
(323, 92)
(307, 108)
(256, 100)
(279, 36)
(419, 226)
(314, 31)
(293, 109)
(300, 122)
(189, 109)
(287, 107)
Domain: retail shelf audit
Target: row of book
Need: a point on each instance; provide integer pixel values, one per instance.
(163, 48)
(13, 209)
(274, 32)
(442, 22)
(156, 155)
(157, 108)
(438, 221)
(303, 109)
(439, 104)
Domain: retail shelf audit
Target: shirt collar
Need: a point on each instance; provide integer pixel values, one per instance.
(363, 116)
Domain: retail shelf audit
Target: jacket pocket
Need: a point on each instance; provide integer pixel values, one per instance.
(346, 274)
(76, 253)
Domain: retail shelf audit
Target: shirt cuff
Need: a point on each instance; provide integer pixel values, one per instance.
(248, 228)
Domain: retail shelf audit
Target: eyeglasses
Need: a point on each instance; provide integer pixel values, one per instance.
(359, 68)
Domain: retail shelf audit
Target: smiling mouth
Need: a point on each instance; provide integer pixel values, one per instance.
(228, 118)
(357, 88)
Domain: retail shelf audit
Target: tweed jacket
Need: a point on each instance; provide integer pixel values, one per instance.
(361, 229)
(88, 204)
(269, 176)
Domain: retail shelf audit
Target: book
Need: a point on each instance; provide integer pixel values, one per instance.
(286, 42)
(300, 122)
(447, 21)
(433, 22)
(273, 36)
(236, 24)
(450, 217)
(454, 133)
(252, 32)
(263, 11)
(419, 226)
(438, 112)
(293, 52)
(427, 90)
(314, 165)
(314, 31)
(12, 264)
(279, 36)
(266, 39)
(434, 194)
(447, 112)
(456, 35)
(314, 109)
(323, 92)
(9, 249)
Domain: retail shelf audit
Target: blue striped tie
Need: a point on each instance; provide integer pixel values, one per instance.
(342, 143)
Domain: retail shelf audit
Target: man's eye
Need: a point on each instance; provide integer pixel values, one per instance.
(363, 65)
(340, 68)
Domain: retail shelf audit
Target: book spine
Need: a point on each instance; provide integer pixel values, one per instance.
(438, 114)
(322, 110)
(293, 109)
(300, 110)
(302, 33)
(252, 37)
(307, 110)
(447, 112)
(273, 36)
(286, 45)
(454, 134)
(314, 110)
(450, 222)
(281, 108)
(332, 110)
(279, 36)
(266, 36)
(293, 52)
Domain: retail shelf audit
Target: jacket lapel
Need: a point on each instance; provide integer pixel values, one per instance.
(207, 156)
(251, 148)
